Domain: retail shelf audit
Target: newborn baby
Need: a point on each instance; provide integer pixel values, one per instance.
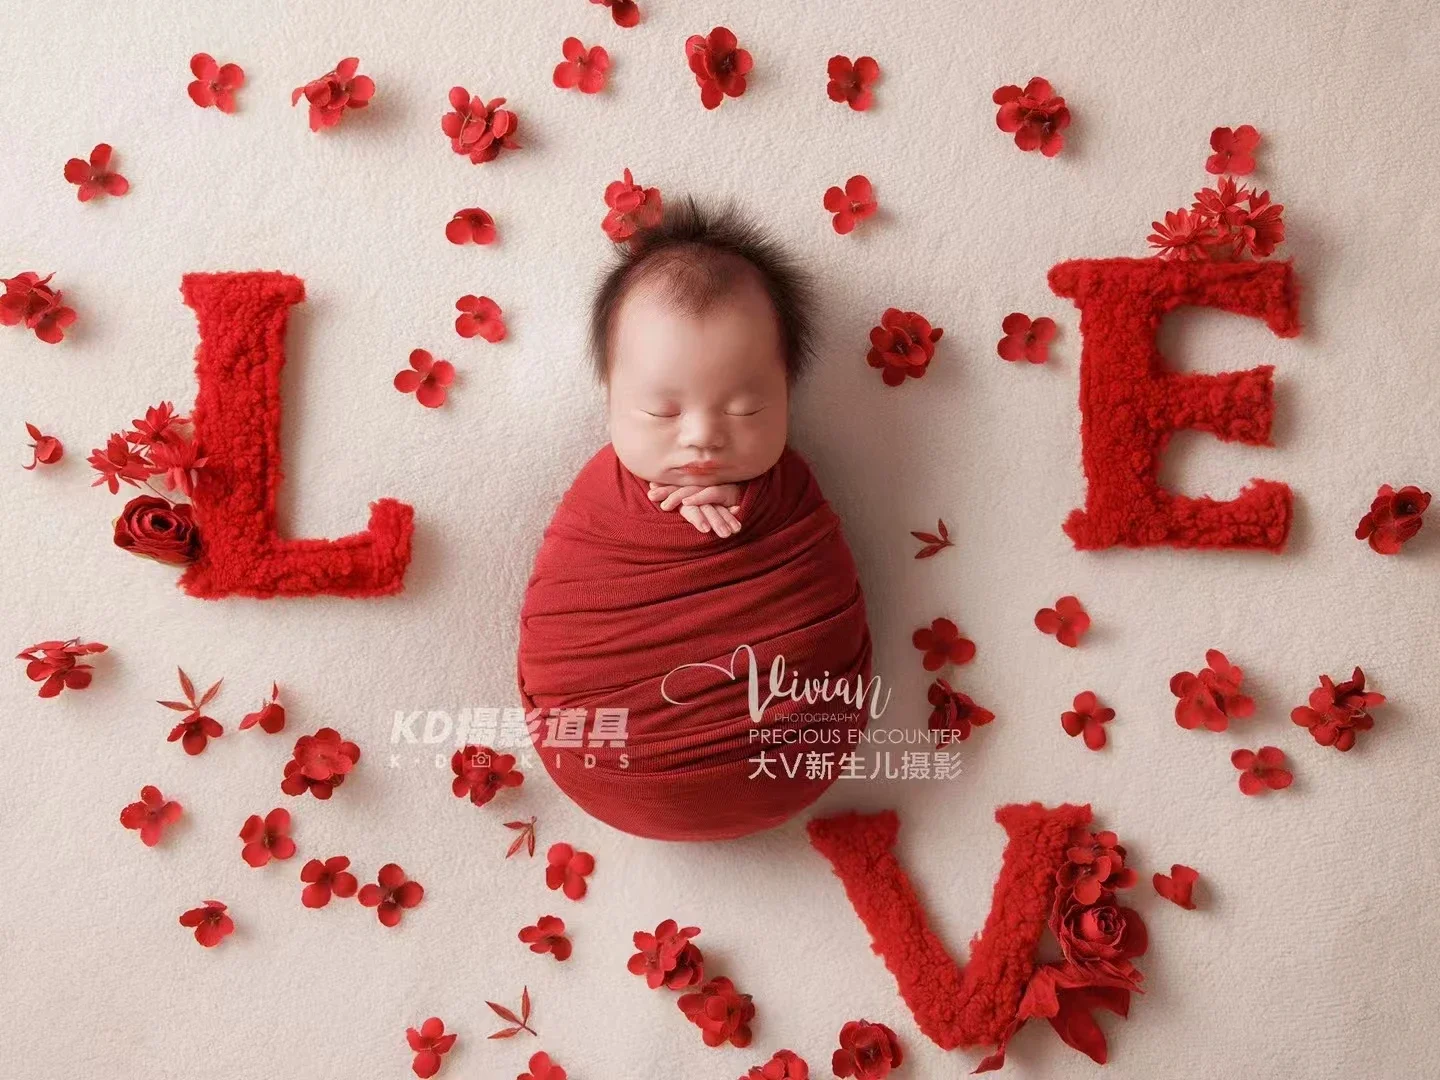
(693, 575)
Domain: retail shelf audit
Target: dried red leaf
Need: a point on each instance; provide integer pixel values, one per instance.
(195, 730)
(936, 541)
(526, 838)
(521, 1022)
(55, 665)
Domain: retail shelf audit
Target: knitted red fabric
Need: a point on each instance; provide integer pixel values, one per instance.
(1130, 405)
(623, 592)
(954, 1006)
(237, 423)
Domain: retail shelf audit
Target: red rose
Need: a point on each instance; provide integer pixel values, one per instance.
(1101, 933)
(867, 1051)
(155, 529)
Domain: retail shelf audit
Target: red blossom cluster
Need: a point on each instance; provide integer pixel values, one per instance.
(625, 12)
(30, 302)
(159, 445)
(319, 764)
(480, 773)
(334, 92)
(902, 346)
(783, 1065)
(1224, 223)
(477, 128)
(195, 730)
(56, 666)
(1336, 711)
(1210, 698)
(721, 1012)
(1037, 116)
(934, 542)
(668, 957)
(718, 64)
(547, 935)
(954, 712)
(867, 1051)
(631, 207)
(1394, 518)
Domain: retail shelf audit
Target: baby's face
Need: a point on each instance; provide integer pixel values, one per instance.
(698, 400)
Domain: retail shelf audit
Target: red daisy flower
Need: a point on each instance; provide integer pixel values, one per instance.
(1177, 885)
(1394, 517)
(94, 177)
(1185, 235)
(178, 462)
(429, 1044)
(851, 83)
(55, 665)
(1088, 717)
(903, 345)
(45, 450)
(1338, 710)
(479, 315)
(119, 462)
(542, 1068)
(214, 84)
(150, 815)
(29, 300)
(954, 712)
(428, 379)
(480, 773)
(581, 69)
(1067, 621)
(631, 206)
(391, 893)
(267, 837)
(722, 1013)
(1234, 150)
(547, 935)
(667, 956)
(719, 65)
(1261, 769)
(567, 869)
(471, 226)
(941, 643)
(320, 764)
(211, 923)
(1262, 228)
(1035, 114)
(625, 12)
(1210, 698)
(324, 879)
(783, 1065)
(479, 128)
(867, 1051)
(334, 92)
(270, 716)
(1024, 339)
(855, 203)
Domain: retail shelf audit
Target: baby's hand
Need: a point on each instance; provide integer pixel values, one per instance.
(709, 508)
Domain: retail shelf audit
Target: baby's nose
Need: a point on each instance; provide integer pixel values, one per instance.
(701, 431)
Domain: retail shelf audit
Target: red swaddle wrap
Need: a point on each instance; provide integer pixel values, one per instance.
(622, 593)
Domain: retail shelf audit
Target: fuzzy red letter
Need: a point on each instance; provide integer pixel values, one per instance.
(237, 422)
(1130, 405)
(954, 1006)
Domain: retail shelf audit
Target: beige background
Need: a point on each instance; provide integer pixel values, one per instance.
(1313, 954)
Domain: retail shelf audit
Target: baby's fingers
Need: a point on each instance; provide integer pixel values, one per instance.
(722, 522)
(676, 496)
(692, 514)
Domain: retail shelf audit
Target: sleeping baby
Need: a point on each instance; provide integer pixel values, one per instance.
(693, 582)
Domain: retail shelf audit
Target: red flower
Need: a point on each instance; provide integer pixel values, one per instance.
(428, 378)
(719, 65)
(667, 956)
(1394, 517)
(29, 299)
(624, 12)
(94, 177)
(324, 879)
(1067, 620)
(477, 128)
(784, 1065)
(159, 425)
(1212, 697)
(542, 1068)
(855, 203)
(55, 665)
(547, 935)
(1102, 935)
(393, 892)
(195, 730)
(270, 716)
(150, 815)
(903, 345)
(631, 207)
(429, 1043)
(479, 315)
(211, 923)
(471, 226)
(1260, 228)
(1024, 339)
(320, 764)
(1186, 235)
(155, 528)
(119, 462)
(1177, 885)
(1224, 223)
(178, 461)
(1234, 150)
(1261, 769)
(334, 92)
(266, 838)
(567, 869)
(585, 70)
(941, 643)
(480, 773)
(720, 1011)
(1087, 717)
(1035, 115)
(954, 712)
(1337, 711)
(867, 1051)
(46, 449)
(851, 82)
(1094, 864)
(214, 85)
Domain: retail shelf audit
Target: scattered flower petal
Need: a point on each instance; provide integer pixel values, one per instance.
(1394, 517)
(479, 315)
(1024, 339)
(94, 177)
(783, 1065)
(270, 716)
(214, 84)
(478, 128)
(428, 379)
(1035, 114)
(581, 69)
(334, 92)
(867, 1051)
(30, 301)
(326, 879)
(471, 226)
(1177, 885)
(625, 12)
(667, 957)
(942, 644)
(855, 203)
(1067, 621)
(55, 665)
(266, 838)
(851, 83)
(1212, 697)
(150, 815)
(1234, 150)
(631, 206)
(430, 1043)
(1087, 717)
(953, 712)
(1261, 769)
(547, 935)
(542, 1068)
(567, 869)
(721, 1012)
(211, 923)
(195, 731)
(391, 894)
(45, 450)
(320, 764)
(480, 773)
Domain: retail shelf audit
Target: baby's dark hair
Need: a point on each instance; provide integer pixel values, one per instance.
(701, 256)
